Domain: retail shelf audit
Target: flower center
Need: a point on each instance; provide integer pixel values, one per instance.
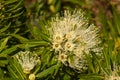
(58, 38)
(62, 57)
(68, 45)
(56, 45)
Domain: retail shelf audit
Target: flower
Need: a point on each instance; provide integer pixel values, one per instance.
(70, 35)
(69, 46)
(57, 46)
(62, 58)
(58, 37)
(27, 60)
(72, 38)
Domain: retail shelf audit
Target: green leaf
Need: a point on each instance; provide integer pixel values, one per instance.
(22, 39)
(15, 69)
(39, 34)
(3, 44)
(43, 29)
(49, 71)
(38, 66)
(112, 28)
(16, 15)
(16, 6)
(3, 62)
(38, 30)
(66, 77)
(46, 57)
(5, 28)
(16, 10)
(44, 37)
(116, 18)
(90, 77)
(90, 64)
(9, 79)
(40, 50)
(37, 42)
(1, 73)
(9, 50)
(26, 46)
(58, 5)
(12, 72)
(35, 32)
(76, 2)
(10, 2)
(34, 29)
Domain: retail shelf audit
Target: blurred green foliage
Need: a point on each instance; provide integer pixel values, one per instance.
(22, 27)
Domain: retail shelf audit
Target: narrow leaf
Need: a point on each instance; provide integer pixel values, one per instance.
(22, 39)
(3, 44)
(5, 28)
(46, 72)
(9, 50)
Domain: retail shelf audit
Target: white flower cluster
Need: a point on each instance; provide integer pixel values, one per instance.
(27, 60)
(72, 38)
